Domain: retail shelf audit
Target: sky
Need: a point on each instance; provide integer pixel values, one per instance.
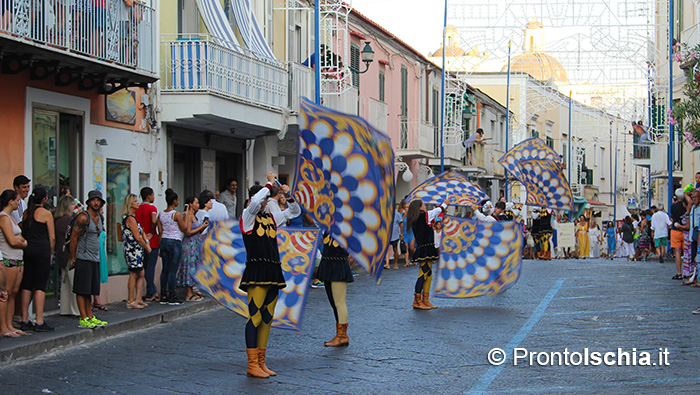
(413, 21)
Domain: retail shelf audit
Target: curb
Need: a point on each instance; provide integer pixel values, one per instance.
(41, 344)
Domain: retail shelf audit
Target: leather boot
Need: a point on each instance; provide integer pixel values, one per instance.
(417, 303)
(261, 362)
(253, 364)
(341, 337)
(426, 302)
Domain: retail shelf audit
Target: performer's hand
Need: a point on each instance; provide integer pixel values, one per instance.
(285, 188)
(271, 177)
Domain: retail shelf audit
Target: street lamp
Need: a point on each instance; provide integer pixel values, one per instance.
(367, 55)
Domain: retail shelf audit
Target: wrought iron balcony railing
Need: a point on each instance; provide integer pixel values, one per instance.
(106, 30)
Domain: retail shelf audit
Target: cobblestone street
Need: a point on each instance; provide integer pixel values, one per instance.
(394, 349)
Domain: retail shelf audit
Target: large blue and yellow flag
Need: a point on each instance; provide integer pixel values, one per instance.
(478, 258)
(223, 258)
(458, 190)
(535, 165)
(345, 180)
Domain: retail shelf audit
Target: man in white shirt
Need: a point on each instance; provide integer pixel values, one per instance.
(21, 186)
(659, 228)
(273, 202)
(218, 211)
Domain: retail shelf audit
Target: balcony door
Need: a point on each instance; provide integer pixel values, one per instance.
(57, 137)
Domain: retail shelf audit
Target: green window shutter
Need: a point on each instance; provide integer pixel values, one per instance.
(404, 91)
(381, 85)
(355, 64)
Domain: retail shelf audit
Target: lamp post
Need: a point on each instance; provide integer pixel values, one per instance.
(367, 55)
(670, 103)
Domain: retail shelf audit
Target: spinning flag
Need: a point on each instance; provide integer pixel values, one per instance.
(478, 258)
(345, 180)
(534, 164)
(223, 262)
(455, 186)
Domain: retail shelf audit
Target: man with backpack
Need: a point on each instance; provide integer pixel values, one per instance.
(85, 258)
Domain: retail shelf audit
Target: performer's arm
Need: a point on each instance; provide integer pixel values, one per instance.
(432, 214)
(483, 218)
(248, 216)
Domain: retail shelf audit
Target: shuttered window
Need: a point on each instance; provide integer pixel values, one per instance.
(381, 85)
(355, 64)
(404, 91)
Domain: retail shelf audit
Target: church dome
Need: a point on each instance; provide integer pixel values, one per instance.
(539, 65)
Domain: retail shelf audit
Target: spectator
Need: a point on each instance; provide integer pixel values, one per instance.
(170, 227)
(21, 186)
(11, 245)
(594, 236)
(190, 248)
(218, 211)
(147, 216)
(468, 144)
(659, 227)
(62, 219)
(583, 239)
(273, 205)
(205, 204)
(134, 247)
(610, 237)
(85, 258)
(694, 218)
(678, 209)
(229, 198)
(627, 231)
(645, 240)
(394, 240)
(38, 230)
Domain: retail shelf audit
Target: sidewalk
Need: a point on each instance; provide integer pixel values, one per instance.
(121, 320)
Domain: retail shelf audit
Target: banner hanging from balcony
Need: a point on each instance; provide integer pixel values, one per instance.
(478, 258)
(345, 180)
(223, 262)
(536, 166)
(458, 190)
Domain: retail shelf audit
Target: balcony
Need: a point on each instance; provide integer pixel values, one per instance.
(416, 139)
(302, 85)
(210, 87)
(346, 102)
(478, 165)
(375, 112)
(641, 155)
(78, 42)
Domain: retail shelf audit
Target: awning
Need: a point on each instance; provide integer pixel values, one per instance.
(621, 212)
(249, 30)
(217, 23)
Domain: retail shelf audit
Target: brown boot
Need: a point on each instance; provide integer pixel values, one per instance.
(261, 362)
(426, 302)
(341, 337)
(417, 303)
(253, 365)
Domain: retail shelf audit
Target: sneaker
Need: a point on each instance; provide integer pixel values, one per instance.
(696, 311)
(174, 301)
(85, 323)
(354, 273)
(27, 326)
(98, 323)
(43, 327)
(317, 284)
(163, 300)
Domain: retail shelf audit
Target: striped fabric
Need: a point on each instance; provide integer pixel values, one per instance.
(188, 58)
(249, 29)
(217, 24)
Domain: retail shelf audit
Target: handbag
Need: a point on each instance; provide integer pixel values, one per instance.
(402, 247)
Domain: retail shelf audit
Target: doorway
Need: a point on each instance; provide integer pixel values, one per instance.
(57, 139)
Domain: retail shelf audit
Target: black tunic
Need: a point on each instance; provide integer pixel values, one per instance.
(263, 266)
(425, 239)
(334, 264)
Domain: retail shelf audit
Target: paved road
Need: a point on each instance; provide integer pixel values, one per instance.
(393, 349)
